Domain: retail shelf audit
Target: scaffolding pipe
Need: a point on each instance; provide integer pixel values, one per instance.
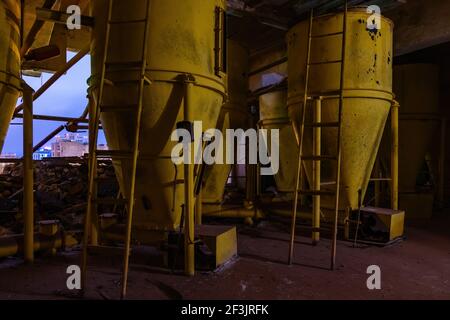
(55, 118)
(59, 129)
(92, 109)
(28, 183)
(48, 138)
(394, 155)
(80, 55)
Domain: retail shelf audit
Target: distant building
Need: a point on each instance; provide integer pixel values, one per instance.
(70, 145)
(62, 149)
(42, 153)
(8, 156)
(72, 137)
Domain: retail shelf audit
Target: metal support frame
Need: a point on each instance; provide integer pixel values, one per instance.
(44, 14)
(55, 118)
(189, 198)
(28, 182)
(56, 76)
(394, 154)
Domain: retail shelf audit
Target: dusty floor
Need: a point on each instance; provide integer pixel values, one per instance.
(418, 268)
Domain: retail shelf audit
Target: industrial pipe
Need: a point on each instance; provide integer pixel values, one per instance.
(219, 211)
(28, 183)
(13, 245)
(394, 155)
(189, 236)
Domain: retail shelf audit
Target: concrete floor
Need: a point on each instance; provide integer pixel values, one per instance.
(418, 268)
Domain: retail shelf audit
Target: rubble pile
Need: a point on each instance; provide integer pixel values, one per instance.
(61, 187)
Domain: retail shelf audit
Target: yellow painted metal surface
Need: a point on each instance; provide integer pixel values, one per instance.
(367, 95)
(274, 115)
(221, 240)
(182, 41)
(9, 63)
(416, 87)
(397, 225)
(233, 115)
(389, 222)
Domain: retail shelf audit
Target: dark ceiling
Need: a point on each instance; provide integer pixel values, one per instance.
(259, 23)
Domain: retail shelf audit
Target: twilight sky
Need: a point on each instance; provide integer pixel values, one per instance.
(67, 97)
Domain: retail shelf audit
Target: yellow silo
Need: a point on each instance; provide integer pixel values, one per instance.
(10, 85)
(184, 39)
(233, 115)
(274, 115)
(367, 95)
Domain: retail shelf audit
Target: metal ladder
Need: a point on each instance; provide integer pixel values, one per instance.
(131, 155)
(317, 158)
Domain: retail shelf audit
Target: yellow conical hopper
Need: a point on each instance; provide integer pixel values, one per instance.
(9, 63)
(182, 40)
(233, 116)
(416, 87)
(368, 95)
(274, 115)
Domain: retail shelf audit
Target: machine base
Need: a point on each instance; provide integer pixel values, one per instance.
(216, 245)
(377, 225)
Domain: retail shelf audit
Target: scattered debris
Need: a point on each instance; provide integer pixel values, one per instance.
(60, 191)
